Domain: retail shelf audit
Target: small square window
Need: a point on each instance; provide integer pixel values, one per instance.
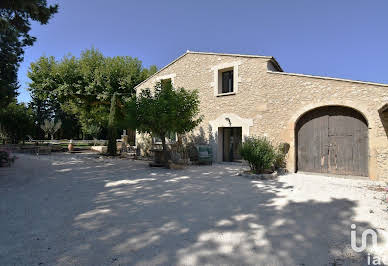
(171, 137)
(166, 83)
(227, 81)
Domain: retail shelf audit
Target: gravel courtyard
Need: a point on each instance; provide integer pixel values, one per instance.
(84, 210)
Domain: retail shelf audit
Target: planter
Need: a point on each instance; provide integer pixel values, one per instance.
(70, 147)
(100, 149)
(159, 158)
(250, 175)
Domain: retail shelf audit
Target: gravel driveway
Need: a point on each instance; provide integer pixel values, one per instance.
(82, 210)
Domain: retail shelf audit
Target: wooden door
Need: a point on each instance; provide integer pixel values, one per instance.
(348, 143)
(226, 135)
(232, 139)
(312, 142)
(332, 140)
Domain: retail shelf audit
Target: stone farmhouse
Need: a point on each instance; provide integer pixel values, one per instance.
(332, 125)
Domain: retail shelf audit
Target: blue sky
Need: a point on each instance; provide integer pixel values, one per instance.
(345, 39)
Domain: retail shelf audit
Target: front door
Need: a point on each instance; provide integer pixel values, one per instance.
(232, 139)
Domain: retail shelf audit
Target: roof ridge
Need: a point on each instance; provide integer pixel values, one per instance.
(209, 53)
(329, 78)
(229, 54)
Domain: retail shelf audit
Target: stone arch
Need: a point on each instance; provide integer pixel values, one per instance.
(295, 117)
(289, 133)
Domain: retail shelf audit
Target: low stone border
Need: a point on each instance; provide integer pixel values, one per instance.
(271, 176)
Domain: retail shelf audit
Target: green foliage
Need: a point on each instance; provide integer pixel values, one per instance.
(280, 155)
(50, 127)
(127, 117)
(259, 153)
(167, 109)
(45, 102)
(83, 87)
(16, 122)
(112, 128)
(279, 160)
(149, 72)
(93, 130)
(46, 127)
(15, 24)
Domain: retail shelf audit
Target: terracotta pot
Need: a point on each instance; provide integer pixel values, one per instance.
(70, 147)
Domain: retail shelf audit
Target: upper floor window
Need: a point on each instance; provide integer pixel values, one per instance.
(226, 78)
(166, 80)
(166, 83)
(227, 81)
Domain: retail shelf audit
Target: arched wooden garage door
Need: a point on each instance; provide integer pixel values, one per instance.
(332, 139)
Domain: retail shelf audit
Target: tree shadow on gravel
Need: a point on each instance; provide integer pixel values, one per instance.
(123, 212)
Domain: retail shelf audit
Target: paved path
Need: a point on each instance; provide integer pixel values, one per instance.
(81, 210)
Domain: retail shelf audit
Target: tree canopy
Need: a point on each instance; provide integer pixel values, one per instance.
(84, 86)
(16, 122)
(165, 110)
(15, 24)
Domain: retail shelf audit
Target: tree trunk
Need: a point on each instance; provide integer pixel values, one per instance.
(112, 130)
(112, 146)
(165, 159)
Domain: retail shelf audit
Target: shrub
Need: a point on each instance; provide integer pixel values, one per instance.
(259, 153)
(279, 160)
(280, 155)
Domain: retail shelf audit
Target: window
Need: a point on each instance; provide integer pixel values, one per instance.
(166, 83)
(226, 78)
(227, 81)
(171, 137)
(166, 80)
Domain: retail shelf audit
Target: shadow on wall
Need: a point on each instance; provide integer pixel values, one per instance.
(145, 145)
(384, 120)
(203, 138)
(128, 213)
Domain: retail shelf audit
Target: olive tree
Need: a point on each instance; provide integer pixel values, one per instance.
(165, 109)
(50, 127)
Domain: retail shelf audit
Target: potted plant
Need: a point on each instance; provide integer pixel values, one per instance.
(70, 147)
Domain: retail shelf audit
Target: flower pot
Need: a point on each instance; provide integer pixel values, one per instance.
(70, 147)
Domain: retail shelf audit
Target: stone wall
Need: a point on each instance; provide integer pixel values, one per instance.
(275, 100)
(382, 147)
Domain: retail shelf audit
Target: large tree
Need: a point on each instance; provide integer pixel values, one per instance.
(84, 86)
(44, 101)
(15, 122)
(15, 24)
(164, 110)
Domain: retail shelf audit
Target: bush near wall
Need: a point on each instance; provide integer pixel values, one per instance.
(261, 155)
